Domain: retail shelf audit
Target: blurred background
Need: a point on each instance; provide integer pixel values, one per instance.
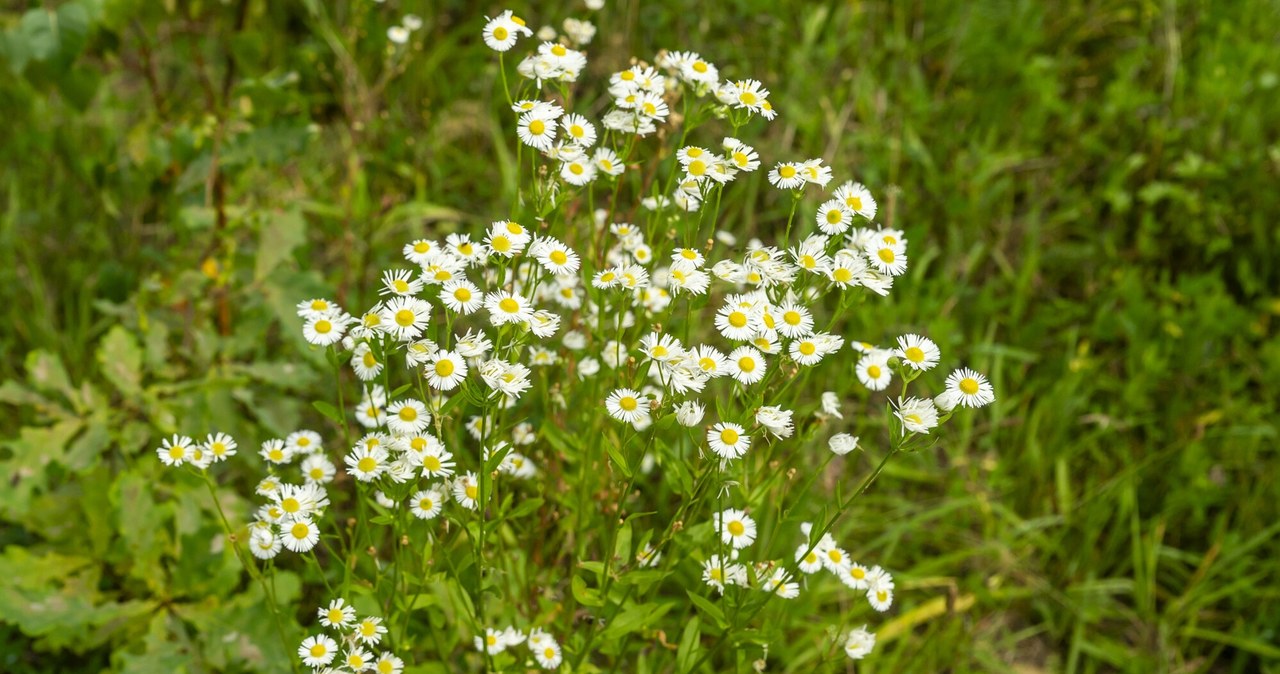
(1090, 190)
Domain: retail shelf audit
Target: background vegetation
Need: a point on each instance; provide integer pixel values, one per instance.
(1090, 189)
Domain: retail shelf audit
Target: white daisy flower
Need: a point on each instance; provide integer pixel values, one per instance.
(176, 450)
(627, 406)
(735, 527)
(918, 353)
(324, 330)
(317, 651)
(873, 370)
(300, 535)
(969, 388)
(461, 296)
(918, 416)
(746, 364)
(338, 614)
(728, 440)
(407, 416)
(859, 643)
(842, 443)
(445, 371)
(500, 33)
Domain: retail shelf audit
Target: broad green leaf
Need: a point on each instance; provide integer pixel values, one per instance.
(121, 360)
(708, 608)
(281, 233)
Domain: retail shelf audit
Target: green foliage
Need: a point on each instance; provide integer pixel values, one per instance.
(1093, 190)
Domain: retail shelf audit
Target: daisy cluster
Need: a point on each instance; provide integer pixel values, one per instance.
(542, 646)
(642, 304)
(350, 650)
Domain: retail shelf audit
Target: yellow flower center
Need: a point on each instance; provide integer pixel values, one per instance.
(857, 572)
(729, 436)
(835, 556)
(499, 33)
(886, 254)
(509, 305)
(549, 653)
(697, 167)
(177, 452)
(559, 50)
(317, 473)
(736, 528)
(626, 76)
(628, 403)
(536, 127)
(444, 368)
(472, 491)
(400, 285)
(500, 243)
(650, 109)
(324, 327)
(737, 319)
(699, 66)
(291, 505)
(969, 386)
(873, 371)
(408, 413)
(218, 449)
(834, 217)
(842, 275)
(367, 464)
(276, 455)
(747, 98)
(335, 616)
(431, 463)
(369, 360)
(491, 640)
(811, 557)
(606, 164)
(792, 318)
(914, 354)
(787, 172)
(747, 364)
(319, 305)
(355, 662)
(807, 348)
(608, 277)
(368, 629)
(466, 249)
(854, 203)
(740, 159)
(405, 318)
(421, 247)
(914, 418)
(318, 651)
(425, 504)
(558, 256)
(300, 531)
(707, 364)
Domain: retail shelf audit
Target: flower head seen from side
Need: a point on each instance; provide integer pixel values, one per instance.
(859, 643)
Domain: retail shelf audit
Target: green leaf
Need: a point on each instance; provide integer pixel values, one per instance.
(618, 460)
(690, 639)
(584, 595)
(633, 618)
(328, 410)
(121, 361)
(527, 506)
(282, 232)
(709, 609)
(46, 373)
